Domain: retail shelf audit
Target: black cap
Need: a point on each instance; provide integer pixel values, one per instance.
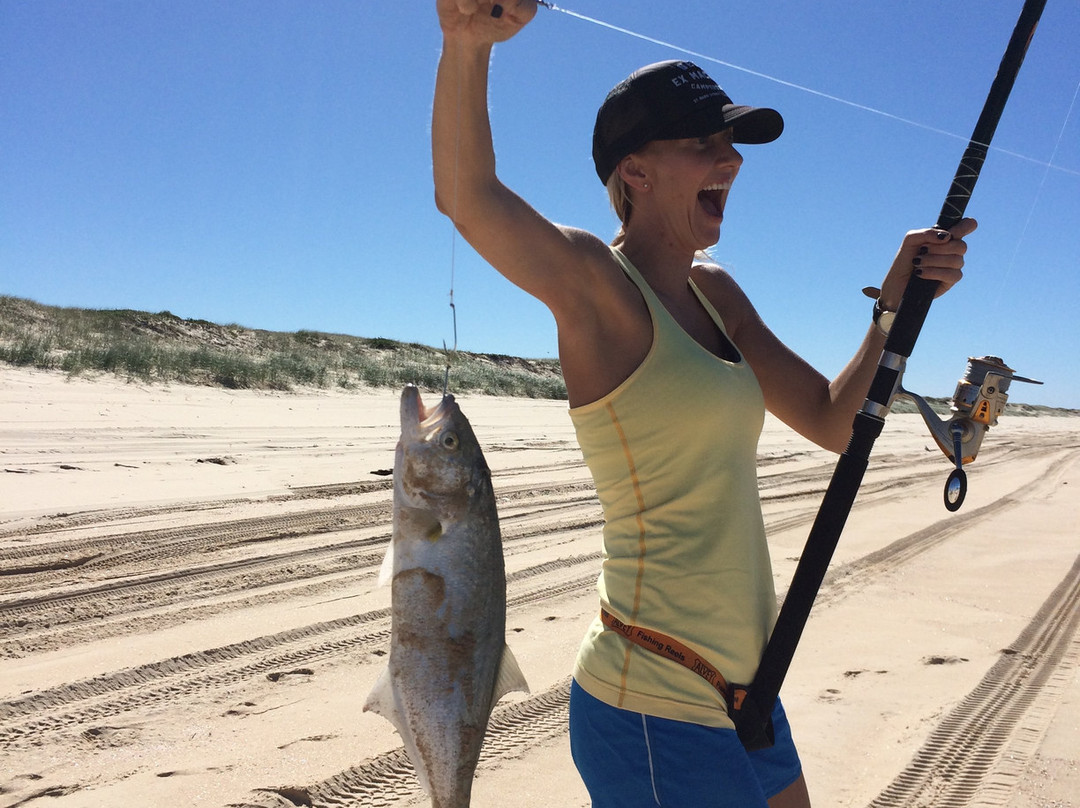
(668, 101)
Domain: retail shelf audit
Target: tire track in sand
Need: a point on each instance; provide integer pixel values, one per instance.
(389, 780)
(964, 759)
(117, 700)
(132, 602)
(845, 579)
(31, 719)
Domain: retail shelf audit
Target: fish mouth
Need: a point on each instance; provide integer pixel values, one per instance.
(412, 408)
(415, 417)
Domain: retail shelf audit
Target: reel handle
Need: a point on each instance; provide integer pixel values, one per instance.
(956, 484)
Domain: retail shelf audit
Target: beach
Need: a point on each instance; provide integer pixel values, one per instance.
(189, 611)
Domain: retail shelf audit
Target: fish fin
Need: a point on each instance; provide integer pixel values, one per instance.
(383, 701)
(509, 678)
(386, 571)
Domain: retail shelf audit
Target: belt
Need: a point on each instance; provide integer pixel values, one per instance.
(672, 649)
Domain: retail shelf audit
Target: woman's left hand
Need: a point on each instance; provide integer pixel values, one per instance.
(936, 255)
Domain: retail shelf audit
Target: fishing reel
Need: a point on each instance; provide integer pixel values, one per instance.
(979, 399)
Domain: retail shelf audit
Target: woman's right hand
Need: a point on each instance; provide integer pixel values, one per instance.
(473, 20)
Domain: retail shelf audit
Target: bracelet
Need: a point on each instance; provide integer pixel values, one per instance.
(883, 318)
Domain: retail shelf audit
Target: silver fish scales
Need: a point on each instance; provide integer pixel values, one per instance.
(449, 663)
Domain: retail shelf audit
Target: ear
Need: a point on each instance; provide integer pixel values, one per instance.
(632, 171)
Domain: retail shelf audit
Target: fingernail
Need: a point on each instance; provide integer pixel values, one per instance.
(923, 250)
(918, 271)
(915, 262)
(942, 235)
(496, 11)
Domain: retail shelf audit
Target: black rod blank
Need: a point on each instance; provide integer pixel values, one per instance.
(755, 705)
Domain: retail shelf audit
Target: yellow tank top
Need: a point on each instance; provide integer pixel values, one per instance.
(673, 453)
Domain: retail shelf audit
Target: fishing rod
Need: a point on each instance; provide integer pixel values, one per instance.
(752, 705)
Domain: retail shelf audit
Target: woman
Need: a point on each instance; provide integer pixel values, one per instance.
(668, 371)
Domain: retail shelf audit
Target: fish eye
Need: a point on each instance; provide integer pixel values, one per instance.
(450, 440)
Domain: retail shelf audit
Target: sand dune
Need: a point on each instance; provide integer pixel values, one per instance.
(189, 616)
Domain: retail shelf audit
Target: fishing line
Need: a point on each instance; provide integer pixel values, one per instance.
(1035, 201)
(793, 85)
(1046, 165)
(452, 354)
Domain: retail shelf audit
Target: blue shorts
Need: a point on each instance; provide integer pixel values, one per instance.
(631, 760)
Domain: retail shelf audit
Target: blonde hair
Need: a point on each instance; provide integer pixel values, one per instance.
(619, 197)
(619, 192)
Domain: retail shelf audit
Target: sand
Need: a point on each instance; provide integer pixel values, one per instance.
(189, 613)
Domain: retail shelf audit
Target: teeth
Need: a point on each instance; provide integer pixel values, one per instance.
(719, 186)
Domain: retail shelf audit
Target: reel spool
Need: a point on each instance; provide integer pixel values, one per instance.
(979, 399)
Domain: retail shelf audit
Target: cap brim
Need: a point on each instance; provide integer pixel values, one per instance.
(754, 124)
(751, 124)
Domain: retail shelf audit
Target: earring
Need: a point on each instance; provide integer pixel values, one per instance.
(645, 185)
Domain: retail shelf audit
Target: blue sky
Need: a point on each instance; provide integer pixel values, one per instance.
(267, 163)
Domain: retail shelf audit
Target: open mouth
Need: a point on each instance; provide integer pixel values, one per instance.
(712, 198)
(412, 409)
(416, 418)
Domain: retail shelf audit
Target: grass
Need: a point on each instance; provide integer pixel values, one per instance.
(165, 348)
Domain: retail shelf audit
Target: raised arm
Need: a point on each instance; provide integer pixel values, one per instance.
(604, 328)
(540, 257)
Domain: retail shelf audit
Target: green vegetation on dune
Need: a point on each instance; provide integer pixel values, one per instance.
(162, 347)
(165, 348)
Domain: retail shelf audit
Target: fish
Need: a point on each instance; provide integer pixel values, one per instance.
(449, 662)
